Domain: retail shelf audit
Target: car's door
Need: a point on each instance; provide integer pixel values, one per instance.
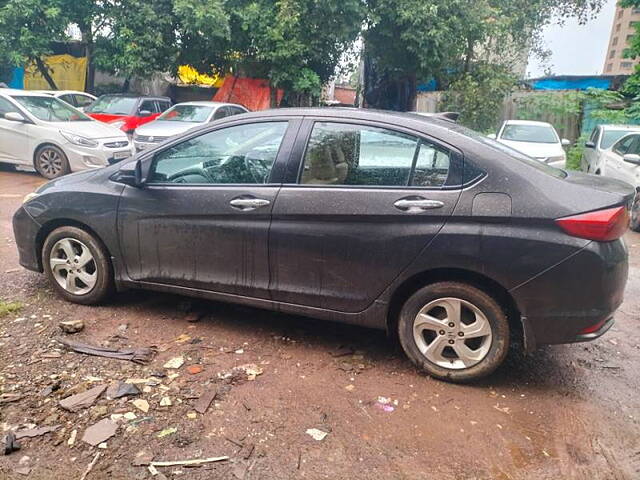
(15, 137)
(630, 171)
(613, 163)
(201, 219)
(364, 203)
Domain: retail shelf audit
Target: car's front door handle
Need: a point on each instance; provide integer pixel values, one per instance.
(417, 205)
(249, 203)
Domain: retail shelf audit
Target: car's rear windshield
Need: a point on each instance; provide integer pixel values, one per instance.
(187, 113)
(529, 133)
(609, 137)
(113, 105)
(515, 154)
(50, 109)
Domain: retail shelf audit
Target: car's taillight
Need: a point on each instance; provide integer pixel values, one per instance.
(602, 225)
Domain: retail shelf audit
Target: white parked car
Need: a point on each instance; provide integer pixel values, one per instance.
(601, 139)
(74, 98)
(622, 162)
(180, 118)
(538, 140)
(40, 131)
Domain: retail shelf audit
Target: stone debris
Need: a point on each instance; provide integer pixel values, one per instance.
(100, 432)
(122, 389)
(35, 432)
(71, 326)
(174, 363)
(202, 404)
(316, 434)
(141, 404)
(82, 400)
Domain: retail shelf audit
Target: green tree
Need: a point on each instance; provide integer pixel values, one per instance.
(445, 39)
(27, 29)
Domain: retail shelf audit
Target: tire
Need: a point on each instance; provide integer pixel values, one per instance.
(72, 251)
(482, 334)
(51, 162)
(634, 223)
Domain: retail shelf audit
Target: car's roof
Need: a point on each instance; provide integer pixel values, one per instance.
(62, 92)
(134, 95)
(614, 126)
(527, 122)
(204, 103)
(27, 93)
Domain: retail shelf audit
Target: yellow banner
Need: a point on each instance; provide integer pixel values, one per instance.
(69, 73)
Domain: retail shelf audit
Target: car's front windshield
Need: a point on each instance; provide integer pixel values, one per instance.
(609, 137)
(113, 105)
(187, 113)
(50, 109)
(529, 133)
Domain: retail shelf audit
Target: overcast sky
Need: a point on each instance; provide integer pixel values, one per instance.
(577, 49)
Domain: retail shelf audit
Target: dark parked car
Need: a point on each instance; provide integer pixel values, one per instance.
(412, 224)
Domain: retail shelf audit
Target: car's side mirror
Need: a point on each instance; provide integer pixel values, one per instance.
(590, 145)
(145, 113)
(15, 117)
(631, 158)
(492, 136)
(129, 174)
(565, 142)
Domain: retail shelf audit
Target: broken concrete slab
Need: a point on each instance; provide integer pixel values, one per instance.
(202, 404)
(82, 400)
(100, 432)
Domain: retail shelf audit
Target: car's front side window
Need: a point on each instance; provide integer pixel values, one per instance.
(7, 107)
(347, 154)
(241, 154)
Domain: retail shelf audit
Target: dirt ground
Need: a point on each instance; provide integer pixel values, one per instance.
(570, 412)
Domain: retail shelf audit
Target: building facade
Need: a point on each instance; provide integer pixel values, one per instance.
(621, 32)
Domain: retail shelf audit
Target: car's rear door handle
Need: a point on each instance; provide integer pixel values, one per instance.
(249, 203)
(417, 205)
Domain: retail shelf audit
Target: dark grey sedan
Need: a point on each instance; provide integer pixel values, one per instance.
(400, 222)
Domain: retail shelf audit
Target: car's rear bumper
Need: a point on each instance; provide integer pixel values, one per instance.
(575, 300)
(25, 230)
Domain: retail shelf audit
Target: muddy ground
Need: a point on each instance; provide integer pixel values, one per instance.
(570, 412)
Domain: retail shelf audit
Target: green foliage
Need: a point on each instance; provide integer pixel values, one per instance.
(478, 96)
(27, 28)
(9, 307)
(574, 154)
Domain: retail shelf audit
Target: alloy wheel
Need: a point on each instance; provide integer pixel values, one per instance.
(73, 266)
(452, 333)
(50, 162)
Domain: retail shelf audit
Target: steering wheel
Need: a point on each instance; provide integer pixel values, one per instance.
(179, 177)
(257, 167)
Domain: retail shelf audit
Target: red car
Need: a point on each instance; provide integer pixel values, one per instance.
(127, 112)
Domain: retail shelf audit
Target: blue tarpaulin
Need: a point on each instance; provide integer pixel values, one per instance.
(17, 78)
(559, 83)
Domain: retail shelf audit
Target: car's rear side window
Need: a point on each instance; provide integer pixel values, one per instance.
(349, 154)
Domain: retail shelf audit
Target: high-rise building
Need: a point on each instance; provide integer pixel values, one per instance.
(621, 32)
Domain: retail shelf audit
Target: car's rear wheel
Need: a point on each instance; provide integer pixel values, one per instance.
(634, 224)
(77, 265)
(454, 331)
(51, 162)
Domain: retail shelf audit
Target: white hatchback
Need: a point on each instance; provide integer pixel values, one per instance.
(40, 131)
(538, 140)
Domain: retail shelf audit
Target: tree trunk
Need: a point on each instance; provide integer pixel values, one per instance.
(273, 96)
(87, 38)
(44, 71)
(125, 85)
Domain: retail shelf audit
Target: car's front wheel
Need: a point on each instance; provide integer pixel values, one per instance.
(77, 265)
(51, 162)
(454, 331)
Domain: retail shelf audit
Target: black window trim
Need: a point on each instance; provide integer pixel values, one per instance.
(279, 165)
(306, 130)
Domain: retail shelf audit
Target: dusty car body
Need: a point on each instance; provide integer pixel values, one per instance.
(391, 221)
